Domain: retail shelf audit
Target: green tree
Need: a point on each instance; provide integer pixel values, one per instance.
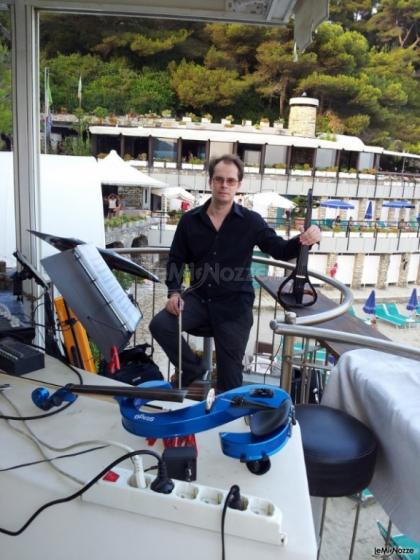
(339, 51)
(5, 93)
(278, 72)
(203, 89)
(397, 23)
(151, 92)
(234, 46)
(352, 14)
(139, 44)
(105, 84)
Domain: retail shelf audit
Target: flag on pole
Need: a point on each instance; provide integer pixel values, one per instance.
(48, 96)
(47, 108)
(79, 91)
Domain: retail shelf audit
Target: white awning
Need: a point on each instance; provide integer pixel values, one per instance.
(262, 201)
(400, 154)
(113, 170)
(174, 192)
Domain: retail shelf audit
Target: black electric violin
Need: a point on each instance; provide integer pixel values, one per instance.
(296, 290)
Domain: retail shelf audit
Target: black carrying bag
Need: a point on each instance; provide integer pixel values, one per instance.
(315, 386)
(136, 366)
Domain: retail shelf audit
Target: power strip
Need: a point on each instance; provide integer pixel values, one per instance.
(190, 504)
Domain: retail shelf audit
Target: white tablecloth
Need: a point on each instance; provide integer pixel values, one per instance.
(81, 529)
(383, 391)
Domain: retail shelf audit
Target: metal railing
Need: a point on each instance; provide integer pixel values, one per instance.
(289, 327)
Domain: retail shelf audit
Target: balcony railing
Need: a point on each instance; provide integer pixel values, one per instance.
(279, 342)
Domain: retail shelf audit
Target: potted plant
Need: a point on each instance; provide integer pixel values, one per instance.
(299, 212)
(158, 162)
(301, 169)
(142, 159)
(276, 168)
(207, 118)
(348, 173)
(368, 173)
(227, 121)
(330, 171)
(100, 114)
(197, 163)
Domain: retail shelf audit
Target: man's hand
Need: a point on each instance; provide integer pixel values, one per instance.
(311, 236)
(175, 304)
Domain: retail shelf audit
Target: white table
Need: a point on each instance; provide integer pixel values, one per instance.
(383, 391)
(79, 529)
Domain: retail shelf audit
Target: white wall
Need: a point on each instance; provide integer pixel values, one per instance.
(317, 263)
(70, 199)
(345, 265)
(413, 268)
(394, 269)
(370, 269)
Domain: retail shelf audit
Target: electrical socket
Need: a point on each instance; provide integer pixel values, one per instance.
(190, 504)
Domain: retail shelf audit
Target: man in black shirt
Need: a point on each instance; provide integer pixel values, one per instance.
(216, 241)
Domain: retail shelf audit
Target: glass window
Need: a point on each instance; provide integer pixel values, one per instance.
(348, 160)
(275, 155)
(102, 144)
(7, 212)
(391, 163)
(325, 158)
(218, 149)
(412, 165)
(140, 148)
(302, 157)
(164, 149)
(366, 161)
(193, 151)
(250, 154)
(5, 85)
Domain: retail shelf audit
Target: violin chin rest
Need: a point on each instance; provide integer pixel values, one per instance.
(265, 422)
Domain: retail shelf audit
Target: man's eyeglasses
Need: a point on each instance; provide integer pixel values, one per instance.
(230, 182)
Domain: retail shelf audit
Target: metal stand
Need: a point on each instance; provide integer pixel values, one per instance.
(207, 354)
(287, 355)
(180, 345)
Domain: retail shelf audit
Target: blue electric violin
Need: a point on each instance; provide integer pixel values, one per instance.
(270, 411)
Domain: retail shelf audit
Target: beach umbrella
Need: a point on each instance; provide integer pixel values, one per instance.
(368, 213)
(339, 204)
(370, 304)
(398, 204)
(413, 301)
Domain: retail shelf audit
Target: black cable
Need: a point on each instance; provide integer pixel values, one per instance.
(80, 491)
(23, 418)
(61, 359)
(233, 490)
(25, 377)
(75, 454)
(271, 362)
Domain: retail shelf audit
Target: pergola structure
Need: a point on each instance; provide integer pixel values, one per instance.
(25, 67)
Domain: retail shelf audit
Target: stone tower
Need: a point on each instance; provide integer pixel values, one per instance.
(302, 116)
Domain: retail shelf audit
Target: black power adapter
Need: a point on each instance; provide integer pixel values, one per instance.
(181, 462)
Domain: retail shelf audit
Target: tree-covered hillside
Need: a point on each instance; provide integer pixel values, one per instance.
(363, 66)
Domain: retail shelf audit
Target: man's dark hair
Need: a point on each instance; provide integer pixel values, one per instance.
(227, 158)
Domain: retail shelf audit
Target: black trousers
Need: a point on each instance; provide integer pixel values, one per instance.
(230, 332)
